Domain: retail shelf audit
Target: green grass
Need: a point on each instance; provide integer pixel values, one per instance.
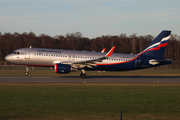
(42, 101)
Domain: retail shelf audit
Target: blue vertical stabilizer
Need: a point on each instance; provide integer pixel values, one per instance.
(158, 45)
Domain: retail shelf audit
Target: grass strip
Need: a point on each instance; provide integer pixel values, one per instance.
(85, 101)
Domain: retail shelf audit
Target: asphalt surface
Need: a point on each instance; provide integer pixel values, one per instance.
(92, 79)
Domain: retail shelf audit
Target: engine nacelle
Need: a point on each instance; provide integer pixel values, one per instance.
(62, 68)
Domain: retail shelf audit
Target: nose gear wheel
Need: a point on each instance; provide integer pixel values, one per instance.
(27, 69)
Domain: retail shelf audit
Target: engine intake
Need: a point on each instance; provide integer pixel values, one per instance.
(62, 68)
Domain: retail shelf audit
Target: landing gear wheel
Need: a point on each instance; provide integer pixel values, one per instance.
(26, 73)
(27, 69)
(83, 75)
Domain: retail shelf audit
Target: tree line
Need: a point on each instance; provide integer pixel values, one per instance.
(75, 41)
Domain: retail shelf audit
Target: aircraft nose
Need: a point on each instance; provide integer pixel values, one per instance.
(8, 58)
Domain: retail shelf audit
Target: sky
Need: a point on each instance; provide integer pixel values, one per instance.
(92, 18)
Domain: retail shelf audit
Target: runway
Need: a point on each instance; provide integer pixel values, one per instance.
(92, 79)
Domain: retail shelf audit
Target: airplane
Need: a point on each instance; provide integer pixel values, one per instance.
(66, 61)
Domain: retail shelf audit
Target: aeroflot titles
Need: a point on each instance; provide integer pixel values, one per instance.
(49, 51)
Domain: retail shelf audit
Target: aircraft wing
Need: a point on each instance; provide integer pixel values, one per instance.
(94, 61)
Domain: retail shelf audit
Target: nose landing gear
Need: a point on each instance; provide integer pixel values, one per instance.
(27, 69)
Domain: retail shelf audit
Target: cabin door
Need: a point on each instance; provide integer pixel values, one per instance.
(27, 54)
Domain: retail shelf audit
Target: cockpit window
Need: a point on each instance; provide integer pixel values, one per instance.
(17, 53)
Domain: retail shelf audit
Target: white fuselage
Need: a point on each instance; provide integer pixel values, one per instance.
(49, 57)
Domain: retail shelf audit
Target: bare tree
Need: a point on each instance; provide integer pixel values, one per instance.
(133, 43)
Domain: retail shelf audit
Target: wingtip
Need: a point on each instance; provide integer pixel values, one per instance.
(110, 52)
(103, 50)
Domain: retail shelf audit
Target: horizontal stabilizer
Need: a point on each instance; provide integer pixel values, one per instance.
(156, 61)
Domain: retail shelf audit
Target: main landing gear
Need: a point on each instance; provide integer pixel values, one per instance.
(83, 74)
(27, 69)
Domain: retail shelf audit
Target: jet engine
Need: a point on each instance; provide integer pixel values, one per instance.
(62, 68)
